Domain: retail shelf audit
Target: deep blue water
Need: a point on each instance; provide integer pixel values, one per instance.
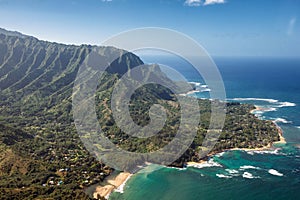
(271, 83)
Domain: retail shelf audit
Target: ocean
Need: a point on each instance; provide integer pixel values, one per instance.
(270, 83)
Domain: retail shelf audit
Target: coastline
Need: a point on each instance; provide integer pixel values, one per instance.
(269, 146)
(207, 158)
(264, 148)
(281, 137)
(280, 132)
(189, 92)
(117, 183)
(114, 184)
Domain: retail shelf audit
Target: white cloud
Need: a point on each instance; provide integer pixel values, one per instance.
(291, 26)
(193, 2)
(210, 2)
(203, 2)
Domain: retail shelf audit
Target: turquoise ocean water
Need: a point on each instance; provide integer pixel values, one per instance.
(273, 84)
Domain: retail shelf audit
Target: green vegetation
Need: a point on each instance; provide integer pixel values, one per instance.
(42, 156)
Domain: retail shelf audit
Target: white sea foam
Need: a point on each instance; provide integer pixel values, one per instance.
(199, 87)
(272, 152)
(209, 163)
(195, 83)
(275, 102)
(189, 93)
(248, 167)
(270, 109)
(179, 169)
(223, 176)
(285, 104)
(282, 120)
(298, 127)
(275, 152)
(249, 175)
(275, 172)
(206, 90)
(264, 110)
(232, 171)
(255, 99)
(220, 154)
(250, 152)
(258, 112)
(120, 189)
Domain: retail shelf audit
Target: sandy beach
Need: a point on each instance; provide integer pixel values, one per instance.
(257, 108)
(116, 183)
(103, 191)
(196, 163)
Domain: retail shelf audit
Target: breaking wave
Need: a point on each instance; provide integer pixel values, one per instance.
(249, 175)
(223, 176)
(248, 167)
(282, 120)
(206, 164)
(275, 172)
(274, 102)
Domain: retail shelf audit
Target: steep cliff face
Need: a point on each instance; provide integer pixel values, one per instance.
(30, 67)
(37, 77)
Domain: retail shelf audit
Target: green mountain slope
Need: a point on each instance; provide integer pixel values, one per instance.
(36, 82)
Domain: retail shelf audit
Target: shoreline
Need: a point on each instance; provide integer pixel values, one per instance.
(113, 184)
(281, 137)
(280, 131)
(118, 183)
(264, 148)
(269, 146)
(189, 92)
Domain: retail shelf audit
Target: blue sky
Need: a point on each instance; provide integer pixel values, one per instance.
(223, 27)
